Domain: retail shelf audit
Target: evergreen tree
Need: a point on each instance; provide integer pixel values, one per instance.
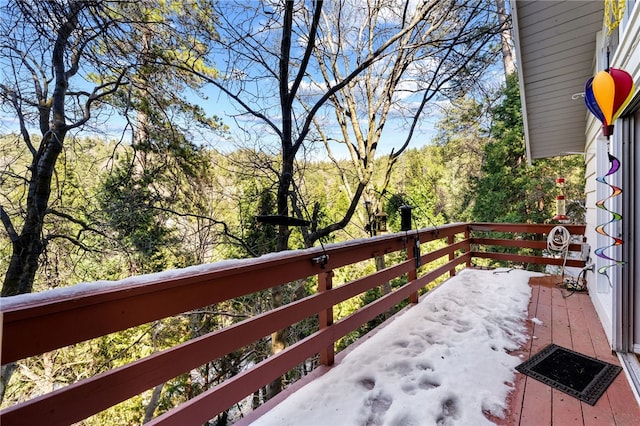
(510, 190)
(504, 154)
(460, 143)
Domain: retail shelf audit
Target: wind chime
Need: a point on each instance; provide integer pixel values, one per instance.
(606, 95)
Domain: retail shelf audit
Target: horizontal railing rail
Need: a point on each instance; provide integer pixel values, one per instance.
(36, 323)
(578, 251)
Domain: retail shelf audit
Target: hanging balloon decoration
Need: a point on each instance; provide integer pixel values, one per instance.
(606, 95)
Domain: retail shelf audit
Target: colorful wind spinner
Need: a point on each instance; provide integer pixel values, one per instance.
(606, 95)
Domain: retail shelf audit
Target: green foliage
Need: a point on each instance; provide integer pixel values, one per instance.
(76, 246)
(415, 182)
(129, 202)
(509, 190)
(499, 188)
(261, 237)
(460, 142)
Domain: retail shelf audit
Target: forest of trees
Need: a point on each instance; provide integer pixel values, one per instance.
(111, 165)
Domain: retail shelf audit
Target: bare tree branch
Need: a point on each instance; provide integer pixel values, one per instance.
(8, 225)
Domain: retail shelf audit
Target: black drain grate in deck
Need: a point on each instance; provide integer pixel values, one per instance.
(575, 374)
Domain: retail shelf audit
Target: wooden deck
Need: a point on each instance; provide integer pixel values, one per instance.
(568, 320)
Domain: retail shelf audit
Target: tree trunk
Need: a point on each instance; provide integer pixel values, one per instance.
(28, 246)
(6, 371)
(380, 265)
(505, 39)
(153, 403)
(278, 342)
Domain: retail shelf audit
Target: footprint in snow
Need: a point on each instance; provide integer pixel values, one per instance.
(368, 383)
(402, 368)
(377, 405)
(427, 383)
(450, 412)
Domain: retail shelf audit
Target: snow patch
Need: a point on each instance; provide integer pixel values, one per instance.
(445, 361)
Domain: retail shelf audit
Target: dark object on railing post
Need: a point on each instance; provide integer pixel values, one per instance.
(413, 250)
(405, 218)
(416, 249)
(321, 260)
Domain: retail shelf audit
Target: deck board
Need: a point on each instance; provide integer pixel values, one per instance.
(569, 320)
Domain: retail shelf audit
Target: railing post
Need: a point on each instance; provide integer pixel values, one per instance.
(413, 272)
(467, 236)
(450, 240)
(325, 317)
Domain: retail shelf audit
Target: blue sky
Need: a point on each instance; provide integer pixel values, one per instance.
(216, 103)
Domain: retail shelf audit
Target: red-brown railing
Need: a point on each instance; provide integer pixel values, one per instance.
(37, 323)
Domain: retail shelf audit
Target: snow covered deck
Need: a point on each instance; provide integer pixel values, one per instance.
(445, 361)
(450, 359)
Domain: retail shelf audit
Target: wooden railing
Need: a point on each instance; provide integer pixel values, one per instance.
(37, 323)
